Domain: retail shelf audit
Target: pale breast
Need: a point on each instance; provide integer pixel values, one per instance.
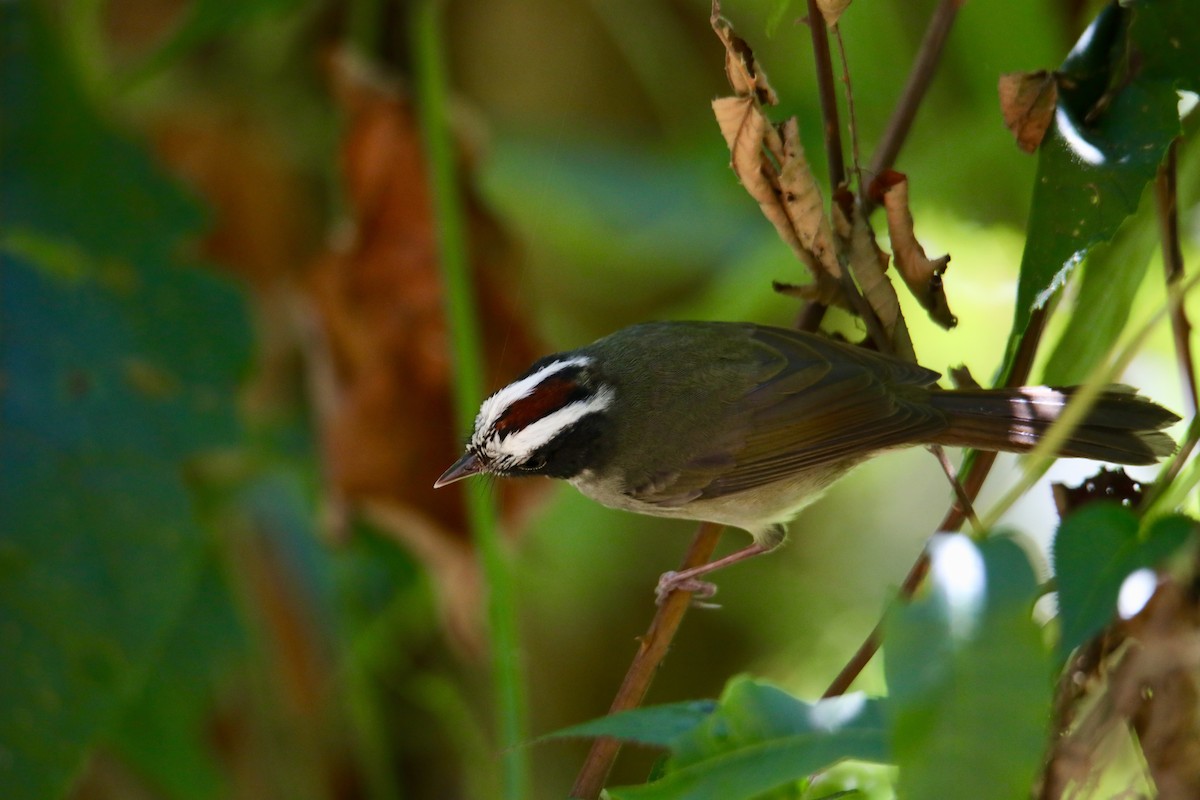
(755, 511)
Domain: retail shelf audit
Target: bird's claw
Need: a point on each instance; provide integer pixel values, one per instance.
(672, 581)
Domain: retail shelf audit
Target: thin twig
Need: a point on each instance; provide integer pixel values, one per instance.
(652, 649)
(1167, 202)
(828, 95)
(919, 79)
(965, 502)
(971, 478)
(811, 315)
(834, 158)
(1168, 223)
(814, 312)
(851, 117)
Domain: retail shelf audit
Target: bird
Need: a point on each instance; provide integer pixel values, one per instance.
(743, 424)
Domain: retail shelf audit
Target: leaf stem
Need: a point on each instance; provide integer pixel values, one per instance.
(507, 680)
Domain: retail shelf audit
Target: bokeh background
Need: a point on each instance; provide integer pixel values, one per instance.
(234, 578)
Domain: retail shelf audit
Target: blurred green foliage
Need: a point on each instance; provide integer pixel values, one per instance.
(109, 394)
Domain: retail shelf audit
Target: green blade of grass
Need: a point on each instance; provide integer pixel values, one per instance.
(508, 684)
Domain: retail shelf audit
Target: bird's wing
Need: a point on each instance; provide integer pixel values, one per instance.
(829, 403)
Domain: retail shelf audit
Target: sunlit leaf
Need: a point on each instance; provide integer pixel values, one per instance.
(968, 677)
(760, 737)
(1109, 282)
(1095, 550)
(1117, 112)
(653, 725)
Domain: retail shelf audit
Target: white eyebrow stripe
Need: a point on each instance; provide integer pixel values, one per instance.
(495, 406)
(517, 447)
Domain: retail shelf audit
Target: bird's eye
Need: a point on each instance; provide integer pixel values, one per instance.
(534, 464)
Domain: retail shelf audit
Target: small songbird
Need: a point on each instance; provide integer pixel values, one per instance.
(743, 424)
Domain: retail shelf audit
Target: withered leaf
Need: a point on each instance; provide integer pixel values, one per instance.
(744, 127)
(922, 275)
(1027, 101)
(769, 160)
(868, 264)
(746, 78)
(824, 290)
(802, 199)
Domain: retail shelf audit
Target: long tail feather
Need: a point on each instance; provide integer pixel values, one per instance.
(1122, 427)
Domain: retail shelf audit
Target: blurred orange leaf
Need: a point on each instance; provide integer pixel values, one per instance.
(389, 423)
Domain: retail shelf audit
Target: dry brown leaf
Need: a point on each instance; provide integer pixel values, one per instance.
(378, 293)
(831, 10)
(770, 162)
(868, 264)
(1027, 101)
(746, 78)
(824, 290)
(744, 127)
(802, 200)
(922, 275)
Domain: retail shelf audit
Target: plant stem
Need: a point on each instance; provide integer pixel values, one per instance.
(974, 472)
(1105, 373)
(828, 95)
(919, 78)
(507, 680)
(1166, 200)
(652, 649)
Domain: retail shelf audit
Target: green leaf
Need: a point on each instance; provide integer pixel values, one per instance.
(1094, 551)
(968, 677)
(119, 366)
(748, 771)
(1110, 279)
(1117, 113)
(658, 726)
(760, 738)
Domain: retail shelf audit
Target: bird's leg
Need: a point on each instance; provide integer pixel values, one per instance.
(688, 580)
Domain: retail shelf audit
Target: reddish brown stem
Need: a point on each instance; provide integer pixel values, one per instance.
(919, 78)
(1168, 224)
(976, 472)
(955, 516)
(828, 94)
(652, 649)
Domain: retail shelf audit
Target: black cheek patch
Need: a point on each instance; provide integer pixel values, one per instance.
(582, 446)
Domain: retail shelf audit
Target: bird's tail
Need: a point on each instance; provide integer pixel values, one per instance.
(1122, 427)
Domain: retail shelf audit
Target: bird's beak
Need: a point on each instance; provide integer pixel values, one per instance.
(465, 467)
